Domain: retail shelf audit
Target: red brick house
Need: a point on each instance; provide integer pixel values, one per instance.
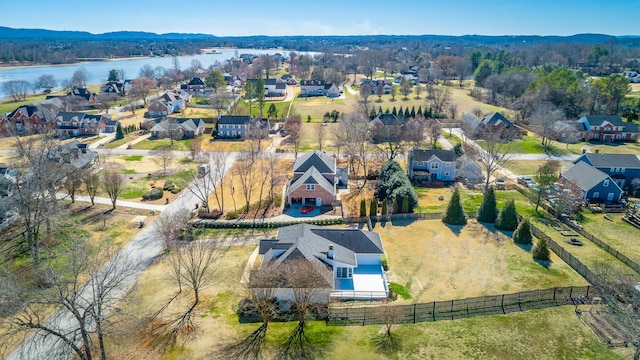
(27, 117)
(608, 128)
(314, 180)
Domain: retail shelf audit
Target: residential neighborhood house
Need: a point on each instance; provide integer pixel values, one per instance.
(241, 127)
(315, 180)
(318, 88)
(622, 168)
(350, 261)
(608, 128)
(178, 128)
(594, 185)
(194, 85)
(74, 153)
(431, 165)
(71, 124)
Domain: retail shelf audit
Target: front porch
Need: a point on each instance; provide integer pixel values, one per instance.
(367, 282)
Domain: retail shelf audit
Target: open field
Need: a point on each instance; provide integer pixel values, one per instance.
(618, 234)
(436, 262)
(529, 167)
(429, 200)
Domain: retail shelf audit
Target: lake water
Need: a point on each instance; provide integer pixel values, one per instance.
(99, 70)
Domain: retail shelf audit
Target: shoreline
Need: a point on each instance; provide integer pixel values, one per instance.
(11, 66)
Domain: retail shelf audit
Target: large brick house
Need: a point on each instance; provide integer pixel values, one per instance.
(70, 124)
(241, 127)
(314, 180)
(608, 128)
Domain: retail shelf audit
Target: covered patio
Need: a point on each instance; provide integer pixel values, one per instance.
(367, 282)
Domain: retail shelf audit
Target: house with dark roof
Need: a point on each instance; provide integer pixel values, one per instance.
(23, 118)
(349, 261)
(116, 87)
(622, 168)
(609, 128)
(241, 127)
(387, 128)
(314, 180)
(431, 165)
(87, 96)
(496, 122)
(71, 124)
(593, 184)
(194, 85)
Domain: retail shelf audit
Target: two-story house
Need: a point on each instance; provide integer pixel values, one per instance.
(622, 168)
(71, 124)
(349, 261)
(431, 165)
(593, 184)
(194, 85)
(178, 128)
(241, 127)
(314, 179)
(318, 88)
(608, 128)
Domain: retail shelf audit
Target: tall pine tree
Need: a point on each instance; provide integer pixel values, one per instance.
(522, 235)
(119, 132)
(455, 213)
(540, 250)
(488, 211)
(419, 113)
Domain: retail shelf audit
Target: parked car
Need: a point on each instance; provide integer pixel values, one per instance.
(307, 209)
(525, 181)
(500, 184)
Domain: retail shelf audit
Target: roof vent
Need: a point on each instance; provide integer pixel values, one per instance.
(330, 252)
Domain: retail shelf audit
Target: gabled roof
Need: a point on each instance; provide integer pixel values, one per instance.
(389, 120)
(584, 175)
(68, 116)
(311, 177)
(234, 119)
(495, 119)
(196, 81)
(426, 155)
(328, 86)
(469, 120)
(312, 242)
(610, 160)
(281, 86)
(597, 120)
(28, 110)
(320, 160)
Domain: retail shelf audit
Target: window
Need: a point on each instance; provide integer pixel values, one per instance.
(344, 272)
(446, 173)
(596, 195)
(612, 170)
(311, 187)
(447, 164)
(621, 170)
(610, 197)
(434, 165)
(605, 183)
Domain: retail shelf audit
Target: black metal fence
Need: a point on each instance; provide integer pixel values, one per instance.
(464, 308)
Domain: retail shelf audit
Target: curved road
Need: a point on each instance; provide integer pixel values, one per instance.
(142, 249)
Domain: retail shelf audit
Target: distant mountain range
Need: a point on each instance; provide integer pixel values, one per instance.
(11, 33)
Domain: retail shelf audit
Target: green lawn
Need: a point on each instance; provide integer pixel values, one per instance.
(115, 143)
(618, 234)
(453, 139)
(178, 145)
(10, 105)
(524, 167)
(281, 107)
(592, 146)
(132, 157)
(529, 145)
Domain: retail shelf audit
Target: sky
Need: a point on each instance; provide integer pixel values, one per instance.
(329, 17)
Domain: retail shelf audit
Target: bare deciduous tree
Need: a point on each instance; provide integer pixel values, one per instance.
(113, 184)
(434, 130)
(164, 158)
(80, 322)
(73, 181)
(17, 89)
(91, 185)
(195, 149)
(352, 134)
(169, 225)
(496, 152)
(438, 99)
(193, 269)
(389, 315)
(320, 135)
(543, 121)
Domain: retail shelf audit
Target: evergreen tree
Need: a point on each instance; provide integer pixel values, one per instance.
(455, 213)
(413, 112)
(406, 112)
(373, 114)
(405, 205)
(394, 111)
(419, 113)
(386, 111)
(380, 109)
(508, 217)
(373, 208)
(540, 250)
(308, 118)
(488, 211)
(363, 208)
(385, 207)
(119, 132)
(522, 235)
(457, 148)
(400, 112)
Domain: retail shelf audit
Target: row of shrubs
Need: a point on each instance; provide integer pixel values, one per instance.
(277, 202)
(221, 224)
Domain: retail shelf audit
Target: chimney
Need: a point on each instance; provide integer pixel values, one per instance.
(330, 252)
(597, 151)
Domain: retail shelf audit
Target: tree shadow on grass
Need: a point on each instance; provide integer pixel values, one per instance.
(456, 229)
(402, 222)
(545, 263)
(525, 247)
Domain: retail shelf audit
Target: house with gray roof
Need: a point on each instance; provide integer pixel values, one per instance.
(494, 123)
(74, 153)
(72, 124)
(349, 260)
(178, 128)
(314, 180)
(593, 184)
(431, 165)
(622, 168)
(609, 128)
(241, 127)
